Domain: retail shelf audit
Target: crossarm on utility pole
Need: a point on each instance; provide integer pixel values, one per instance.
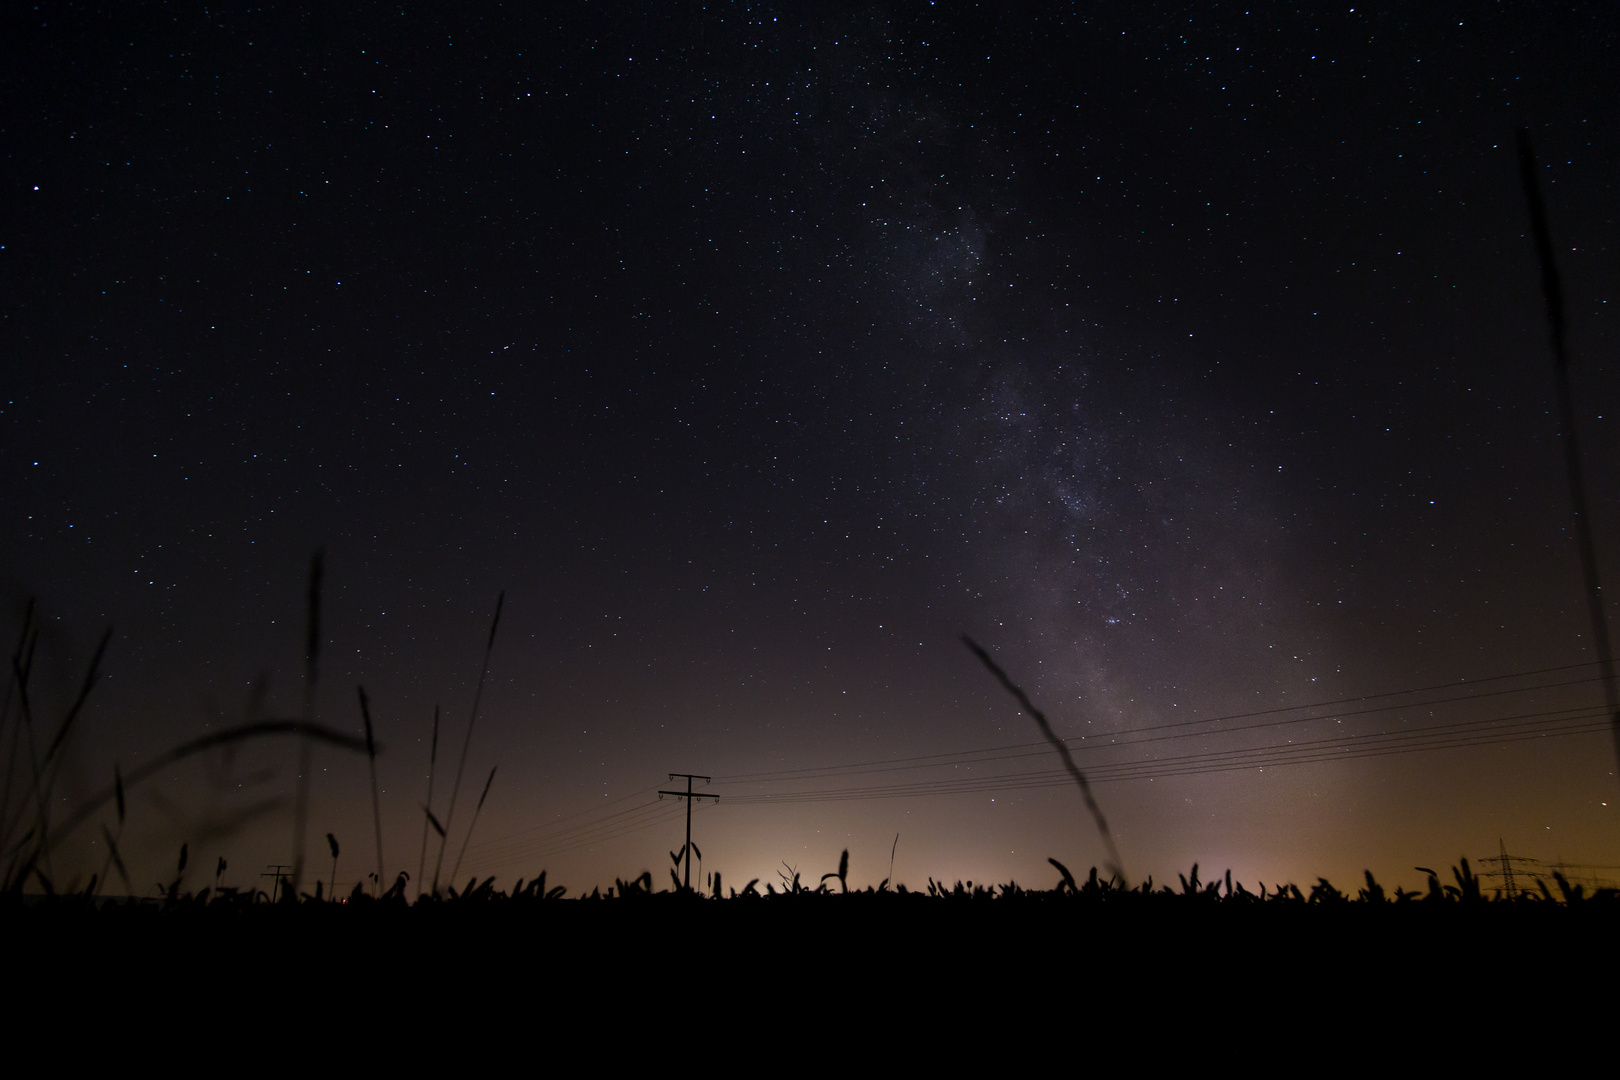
(688, 795)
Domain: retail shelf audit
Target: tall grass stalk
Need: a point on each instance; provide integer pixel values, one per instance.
(1115, 866)
(259, 729)
(306, 749)
(16, 874)
(371, 755)
(112, 842)
(461, 766)
(476, 811)
(1552, 291)
(78, 702)
(116, 859)
(46, 769)
(433, 760)
(13, 678)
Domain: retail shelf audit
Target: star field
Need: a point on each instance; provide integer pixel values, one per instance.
(1191, 359)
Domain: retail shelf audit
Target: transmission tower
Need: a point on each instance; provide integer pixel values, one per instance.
(1595, 875)
(1505, 866)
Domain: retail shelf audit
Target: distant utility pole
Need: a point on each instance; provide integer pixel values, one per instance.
(277, 871)
(689, 796)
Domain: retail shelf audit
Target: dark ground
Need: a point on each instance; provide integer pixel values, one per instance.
(884, 977)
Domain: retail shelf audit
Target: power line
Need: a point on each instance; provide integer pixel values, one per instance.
(867, 768)
(610, 828)
(669, 814)
(566, 824)
(1342, 748)
(577, 814)
(1093, 744)
(673, 814)
(1040, 748)
(591, 826)
(1143, 770)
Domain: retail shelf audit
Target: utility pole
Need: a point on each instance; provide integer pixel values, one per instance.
(688, 795)
(277, 871)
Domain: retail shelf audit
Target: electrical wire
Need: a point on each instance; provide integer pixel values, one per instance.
(1455, 735)
(1080, 742)
(612, 821)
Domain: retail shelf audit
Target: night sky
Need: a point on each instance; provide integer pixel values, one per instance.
(1192, 359)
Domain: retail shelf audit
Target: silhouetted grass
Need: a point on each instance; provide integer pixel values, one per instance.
(466, 744)
(479, 809)
(1552, 292)
(371, 761)
(1190, 892)
(1115, 866)
(306, 749)
(427, 805)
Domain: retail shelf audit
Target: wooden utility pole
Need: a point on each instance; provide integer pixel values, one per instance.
(688, 795)
(279, 872)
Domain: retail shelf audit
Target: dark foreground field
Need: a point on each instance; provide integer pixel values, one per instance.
(1299, 978)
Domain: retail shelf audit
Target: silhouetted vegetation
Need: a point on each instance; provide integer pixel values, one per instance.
(1189, 892)
(565, 957)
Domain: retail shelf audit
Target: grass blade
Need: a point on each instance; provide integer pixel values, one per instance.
(117, 859)
(1552, 290)
(84, 692)
(371, 755)
(1115, 865)
(306, 750)
(12, 679)
(476, 811)
(434, 822)
(461, 766)
(244, 732)
(433, 760)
